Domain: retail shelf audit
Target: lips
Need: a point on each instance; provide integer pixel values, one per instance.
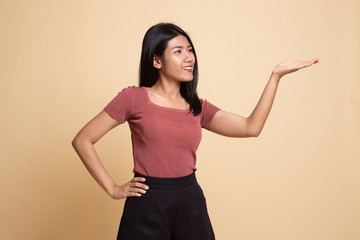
(188, 68)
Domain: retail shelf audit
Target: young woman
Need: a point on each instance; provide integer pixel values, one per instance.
(165, 116)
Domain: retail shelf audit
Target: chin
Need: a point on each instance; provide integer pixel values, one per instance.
(189, 80)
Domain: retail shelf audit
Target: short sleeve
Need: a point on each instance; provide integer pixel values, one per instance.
(207, 113)
(120, 106)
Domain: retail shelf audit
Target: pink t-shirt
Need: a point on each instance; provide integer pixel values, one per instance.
(164, 139)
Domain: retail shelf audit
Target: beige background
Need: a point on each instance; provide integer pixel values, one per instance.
(61, 62)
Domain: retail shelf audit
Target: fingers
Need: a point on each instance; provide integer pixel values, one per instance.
(315, 60)
(136, 188)
(135, 192)
(138, 179)
(292, 66)
(304, 64)
(133, 188)
(312, 61)
(136, 182)
(139, 186)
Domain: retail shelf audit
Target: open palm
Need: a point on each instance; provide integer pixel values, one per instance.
(292, 66)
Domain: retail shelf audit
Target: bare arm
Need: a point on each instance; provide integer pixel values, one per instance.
(233, 125)
(83, 144)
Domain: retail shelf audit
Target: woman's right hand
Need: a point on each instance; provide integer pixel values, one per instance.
(133, 188)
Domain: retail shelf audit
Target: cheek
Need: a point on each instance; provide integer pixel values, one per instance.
(173, 65)
(170, 69)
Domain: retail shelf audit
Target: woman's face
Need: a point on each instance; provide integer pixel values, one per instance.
(177, 62)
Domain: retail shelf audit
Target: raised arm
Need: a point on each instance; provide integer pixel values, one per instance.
(83, 144)
(233, 125)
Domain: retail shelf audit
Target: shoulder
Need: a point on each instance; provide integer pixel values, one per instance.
(132, 89)
(205, 103)
(207, 112)
(208, 107)
(127, 94)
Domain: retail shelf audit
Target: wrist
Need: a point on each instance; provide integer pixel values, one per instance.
(275, 77)
(110, 189)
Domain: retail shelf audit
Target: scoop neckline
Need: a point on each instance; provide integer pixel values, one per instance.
(161, 107)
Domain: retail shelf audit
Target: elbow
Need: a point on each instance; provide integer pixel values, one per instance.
(80, 141)
(75, 142)
(254, 133)
(253, 129)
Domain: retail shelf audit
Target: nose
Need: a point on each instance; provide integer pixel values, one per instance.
(189, 57)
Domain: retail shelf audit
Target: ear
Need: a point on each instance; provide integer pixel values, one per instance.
(157, 62)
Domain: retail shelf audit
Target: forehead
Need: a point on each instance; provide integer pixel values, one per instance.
(178, 41)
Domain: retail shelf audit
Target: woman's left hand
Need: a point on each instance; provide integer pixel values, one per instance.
(292, 66)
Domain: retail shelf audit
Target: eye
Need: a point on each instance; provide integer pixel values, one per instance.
(178, 51)
(191, 50)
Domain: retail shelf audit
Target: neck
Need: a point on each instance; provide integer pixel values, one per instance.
(167, 89)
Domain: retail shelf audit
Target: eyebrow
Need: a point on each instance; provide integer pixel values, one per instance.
(181, 47)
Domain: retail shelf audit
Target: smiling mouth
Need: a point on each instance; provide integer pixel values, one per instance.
(188, 68)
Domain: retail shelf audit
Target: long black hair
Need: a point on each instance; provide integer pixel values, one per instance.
(154, 43)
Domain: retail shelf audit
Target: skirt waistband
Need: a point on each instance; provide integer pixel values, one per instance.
(168, 183)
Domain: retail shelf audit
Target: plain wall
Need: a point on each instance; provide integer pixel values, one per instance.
(61, 62)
